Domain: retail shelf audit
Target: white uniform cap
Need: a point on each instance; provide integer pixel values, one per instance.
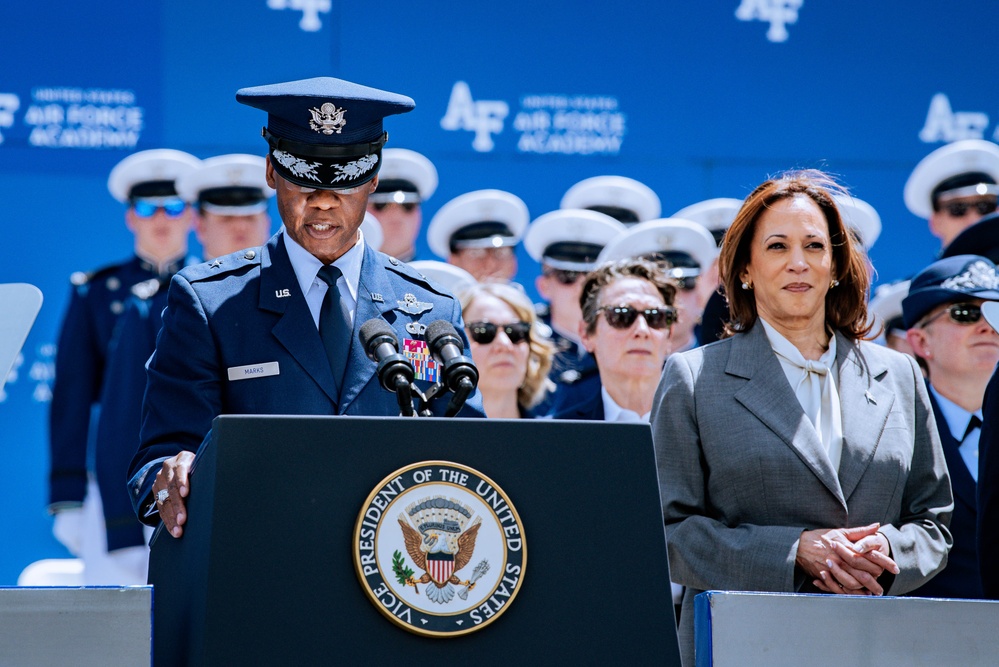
(402, 170)
(482, 219)
(235, 184)
(614, 192)
(452, 278)
(715, 215)
(158, 165)
(861, 217)
(570, 238)
(671, 237)
(372, 231)
(961, 157)
(886, 304)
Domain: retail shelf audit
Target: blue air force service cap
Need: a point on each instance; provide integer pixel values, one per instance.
(233, 184)
(624, 199)
(151, 173)
(406, 177)
(687, 247)
(570, 239)
(948, 281)
(479, 219)
(324, 132)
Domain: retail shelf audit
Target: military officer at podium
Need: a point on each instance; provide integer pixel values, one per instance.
(160, 222)
(230, 194)
(274, 331)
(405, 181)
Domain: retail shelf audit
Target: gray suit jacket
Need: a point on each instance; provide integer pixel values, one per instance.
(742, 472)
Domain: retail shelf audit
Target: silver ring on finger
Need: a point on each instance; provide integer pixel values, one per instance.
(162, 496)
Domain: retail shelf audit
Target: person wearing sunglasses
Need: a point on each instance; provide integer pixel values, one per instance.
(479, 232)
(509, 348)
(160, 222)
(794, 455)
(628, 315)
(958, 350)
(566, 244)
(685, 251)
(405, 181)
(292, 308)
(954, 187)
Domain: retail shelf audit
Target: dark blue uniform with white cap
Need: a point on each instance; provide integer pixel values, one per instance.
(567, 243)
(238, 335)
(224, 186)
(97, 300)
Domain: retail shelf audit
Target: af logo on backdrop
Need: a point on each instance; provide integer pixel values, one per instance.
(9, 103)
(946, 125)
(310, 11)
(778, 13)
(439, 549)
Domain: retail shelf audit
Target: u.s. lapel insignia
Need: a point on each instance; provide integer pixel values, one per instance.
(377, 298)
(328, 119)
(439, 549)
(411, 306)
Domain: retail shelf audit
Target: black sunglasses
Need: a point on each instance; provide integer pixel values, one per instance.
(409, 207)
(959, 208)
(563, 276)
(622, 317)
(962, 313)
(484, 333)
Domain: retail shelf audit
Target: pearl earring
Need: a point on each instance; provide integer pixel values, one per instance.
(834, 283)
(746, 285)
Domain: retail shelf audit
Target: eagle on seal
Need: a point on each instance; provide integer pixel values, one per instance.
(432, 555)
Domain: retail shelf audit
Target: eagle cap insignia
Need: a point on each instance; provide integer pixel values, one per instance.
(439, 549)
(328, 119)
(412, 306)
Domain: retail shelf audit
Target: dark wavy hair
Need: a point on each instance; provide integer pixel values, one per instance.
(846, 304)
(605, 274)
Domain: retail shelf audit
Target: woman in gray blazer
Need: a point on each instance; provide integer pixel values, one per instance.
(794, 456)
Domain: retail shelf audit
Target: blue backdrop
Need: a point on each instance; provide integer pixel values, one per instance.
(695, 99)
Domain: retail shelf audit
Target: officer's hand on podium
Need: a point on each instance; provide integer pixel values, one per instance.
(173, 479)
(67, 527)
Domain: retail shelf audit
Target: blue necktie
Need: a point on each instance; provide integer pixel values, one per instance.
(334, 324)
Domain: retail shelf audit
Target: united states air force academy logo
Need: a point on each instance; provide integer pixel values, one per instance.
(439, 549)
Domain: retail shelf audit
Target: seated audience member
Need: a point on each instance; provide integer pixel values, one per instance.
(981, 238)
(780, 447)
(628, 314)
(988, 477)
(479, 232)
(684, 251)
(406, 179)
(508, 347)
(958, 350)
(566, 243)
(954, 186)
(626, 200)
(886, 313)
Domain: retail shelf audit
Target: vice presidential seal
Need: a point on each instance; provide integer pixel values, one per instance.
(439, 549)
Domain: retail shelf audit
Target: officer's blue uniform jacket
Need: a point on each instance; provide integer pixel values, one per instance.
(121, 408)
(591, 408)
(574, 372)
(95, 304)
(248, 309)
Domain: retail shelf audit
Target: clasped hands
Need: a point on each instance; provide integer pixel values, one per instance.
(846, 561)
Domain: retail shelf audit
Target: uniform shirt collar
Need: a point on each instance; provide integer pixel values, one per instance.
(957, 418)
(615, 413)
(306, 265)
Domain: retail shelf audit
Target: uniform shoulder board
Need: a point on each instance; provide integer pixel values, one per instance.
(147, 289)
(234, 262)
(414, 276)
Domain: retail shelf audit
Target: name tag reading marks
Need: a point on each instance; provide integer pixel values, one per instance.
(254, 371)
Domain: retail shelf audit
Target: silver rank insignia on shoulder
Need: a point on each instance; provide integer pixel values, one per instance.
(411, 306)
(216, 264)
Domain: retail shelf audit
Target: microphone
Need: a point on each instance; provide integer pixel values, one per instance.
(395, 372)
(460, 375)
